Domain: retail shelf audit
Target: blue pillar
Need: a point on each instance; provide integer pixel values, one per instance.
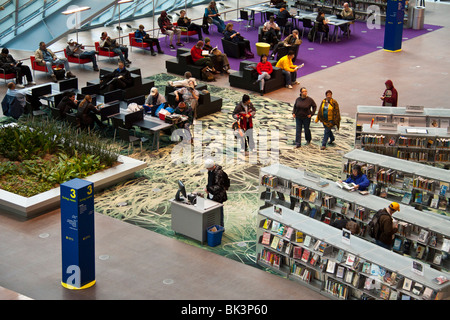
(77, 234)
(393, 33)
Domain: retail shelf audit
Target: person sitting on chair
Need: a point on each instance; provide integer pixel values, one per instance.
(87, 113)
(264, 69)
(77, 50)
(234, 36)
(153, 100)
(213, 15)
(120, 78)
(9, 65)
(199, 59)
(185, 110)
(189, 95)
(346, 14)
(219, 59)
(141, 36)
(284, 15)
(270, 31)
(322, 24)
(185, 22)
(168, 28)
(111, 44)
(68, 104)
(290, 41)
(45, 57)
(289, 69)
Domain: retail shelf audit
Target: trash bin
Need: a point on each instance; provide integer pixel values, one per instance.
(418, 18)
(215, 235)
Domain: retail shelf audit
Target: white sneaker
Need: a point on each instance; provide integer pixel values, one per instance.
(20, 86)
(31, 83)
(289, 86)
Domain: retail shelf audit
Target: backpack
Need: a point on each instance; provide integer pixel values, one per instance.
(311, 34)
(373, 227)
(207, 75)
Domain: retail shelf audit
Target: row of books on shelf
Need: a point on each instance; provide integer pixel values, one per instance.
(413, 155)
(426, 199)
(374, 139)
(303, 192)
(274, 181)
(347, 269)
(442, 157)
(425, 184)
(415, 142)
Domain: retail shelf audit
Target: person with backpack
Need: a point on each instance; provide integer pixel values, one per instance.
(218, 184)
(243, 113)
(383, 227)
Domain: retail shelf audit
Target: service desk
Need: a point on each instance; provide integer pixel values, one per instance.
(188, 220)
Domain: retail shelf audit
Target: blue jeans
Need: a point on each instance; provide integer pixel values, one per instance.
(219, 23)
(121, 51)
(57, 62)
(289, 76)
(328, 134)
(299, 124)
(90, 55)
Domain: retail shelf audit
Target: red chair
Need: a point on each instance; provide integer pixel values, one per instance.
(185, 31)
(134, 43)
(105, 52)
(78, 60)
(6, 76)
(43, 68)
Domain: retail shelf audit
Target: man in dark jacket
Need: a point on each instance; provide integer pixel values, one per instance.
(387, 226)
(304, 109)
(185, 22)
(120, 78)
(216, 188)
(10, 65)
(67, 105)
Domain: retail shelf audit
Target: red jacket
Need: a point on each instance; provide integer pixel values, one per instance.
(264, 67)
(196, 53)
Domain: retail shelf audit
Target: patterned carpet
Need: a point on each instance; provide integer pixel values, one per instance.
(147, 196)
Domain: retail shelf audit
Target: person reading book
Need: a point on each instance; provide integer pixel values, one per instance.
(387, 226)
(358, 178)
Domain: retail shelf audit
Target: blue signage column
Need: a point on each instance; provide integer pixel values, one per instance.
(393, 33)
(77, 234)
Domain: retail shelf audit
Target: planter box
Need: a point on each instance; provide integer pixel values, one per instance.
(26, 208)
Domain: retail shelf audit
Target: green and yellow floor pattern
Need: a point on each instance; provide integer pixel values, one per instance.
(147, 196)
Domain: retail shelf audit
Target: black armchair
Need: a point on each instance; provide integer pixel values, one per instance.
(231, 49)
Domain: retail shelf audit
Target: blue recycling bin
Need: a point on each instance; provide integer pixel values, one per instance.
(214, 237)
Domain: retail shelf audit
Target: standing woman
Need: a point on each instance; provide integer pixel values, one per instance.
(330, 116)
(234, 36)
(304, 109)
(214, 15)
(264, 69)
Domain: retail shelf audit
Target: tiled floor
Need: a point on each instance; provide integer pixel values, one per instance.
(141, 264)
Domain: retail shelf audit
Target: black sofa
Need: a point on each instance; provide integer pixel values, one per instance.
(141, 86)
(182, 63)
(245, 78)
(206, 103)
